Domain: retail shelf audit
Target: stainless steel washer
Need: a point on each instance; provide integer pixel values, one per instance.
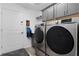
(62, 39)
(39, 38)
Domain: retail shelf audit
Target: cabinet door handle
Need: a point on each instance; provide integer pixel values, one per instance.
(67, 12)
(64, 12)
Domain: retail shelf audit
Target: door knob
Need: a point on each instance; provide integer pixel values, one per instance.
(22, 32)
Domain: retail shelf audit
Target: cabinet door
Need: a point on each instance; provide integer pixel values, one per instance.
(66, 9)
(50, 13)
(44, 14)
(12, 39)
(60, 10)
(55, 11)
(73, 8)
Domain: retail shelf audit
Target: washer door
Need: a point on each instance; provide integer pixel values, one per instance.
(39, 35)
(60, 40)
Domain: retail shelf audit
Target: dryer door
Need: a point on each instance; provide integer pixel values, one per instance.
(39, 35)
(60, 40)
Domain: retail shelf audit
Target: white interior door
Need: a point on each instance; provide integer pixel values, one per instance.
(12, 36)
(0, 31)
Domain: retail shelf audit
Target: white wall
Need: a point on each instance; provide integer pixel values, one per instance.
(12, 14)
(75, 19)
(26, 14)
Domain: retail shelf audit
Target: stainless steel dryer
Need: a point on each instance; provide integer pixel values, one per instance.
(62, 40)
(39, 38)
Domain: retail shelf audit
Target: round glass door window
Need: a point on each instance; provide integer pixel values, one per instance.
(60, 40)
(39, 35)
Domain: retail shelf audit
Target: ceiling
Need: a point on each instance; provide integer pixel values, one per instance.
(35, 6)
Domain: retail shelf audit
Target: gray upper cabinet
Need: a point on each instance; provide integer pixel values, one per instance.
(50, 13)
(44, 15)
(61, 10)
(73, 8)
